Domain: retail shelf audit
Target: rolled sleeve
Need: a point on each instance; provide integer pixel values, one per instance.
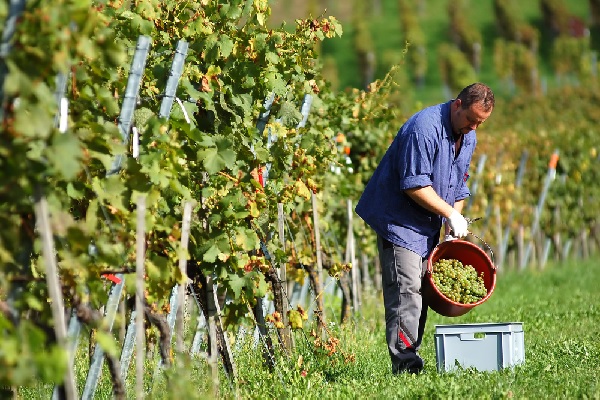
(415, 181)
(462, 193)
(416, 165)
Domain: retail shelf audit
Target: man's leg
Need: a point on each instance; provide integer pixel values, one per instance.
(405, 315)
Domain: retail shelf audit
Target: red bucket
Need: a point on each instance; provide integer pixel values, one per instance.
(468, 254)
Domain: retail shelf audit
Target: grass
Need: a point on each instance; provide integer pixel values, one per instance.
(559, 308)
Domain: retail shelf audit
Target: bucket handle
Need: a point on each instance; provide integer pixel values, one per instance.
(484, 242)
(488, 247)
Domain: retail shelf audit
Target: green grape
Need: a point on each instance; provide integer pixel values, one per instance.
(458, 282)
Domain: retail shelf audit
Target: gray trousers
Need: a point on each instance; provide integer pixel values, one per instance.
(405, 312)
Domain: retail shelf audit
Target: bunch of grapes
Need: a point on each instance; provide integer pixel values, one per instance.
(458, 282)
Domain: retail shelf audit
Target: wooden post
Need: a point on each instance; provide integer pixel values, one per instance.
(377, 275)
(351, 258)
(140, 257)
(558, 256)
(585, 251)
(183, 256)
(475, 184)
(54, 289)
(545, 253)
(518, 184)
(551, 174)
(520, 246)
(499, 236)
(212, 334)
(366, 276)
(319, 280)
(265, 340)
(287, 339)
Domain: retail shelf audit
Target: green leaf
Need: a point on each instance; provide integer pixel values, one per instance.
(91, 216)
(75, 190)
(64, 155)
(225, 45)
(33, 302)
(228, 156)
(236, 284)
(210, 256)
(260, 41)
(211, 160)
(272, 57)
(33, 122)
(248, 82)
(107, 343)
(114, 186)
(262, 288)
(51, 364)
(234, 12)
(246, 238)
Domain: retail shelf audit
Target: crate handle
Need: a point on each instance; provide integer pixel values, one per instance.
(471, 336)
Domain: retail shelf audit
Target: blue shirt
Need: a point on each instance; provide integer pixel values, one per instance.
(422, 154)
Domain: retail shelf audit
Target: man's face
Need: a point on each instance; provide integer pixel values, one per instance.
(465, 120)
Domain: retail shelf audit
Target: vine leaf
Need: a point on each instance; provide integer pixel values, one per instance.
(225, 46)
(210, 256)
(65, 154)
(217, 158)
(107, 343)
(236, 284)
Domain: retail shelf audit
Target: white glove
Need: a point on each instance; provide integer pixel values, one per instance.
(448, 238)
(458, 224)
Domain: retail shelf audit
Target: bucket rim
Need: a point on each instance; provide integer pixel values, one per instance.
(462, 242)
(436, 290)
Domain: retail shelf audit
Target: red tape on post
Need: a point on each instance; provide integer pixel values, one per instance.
(553, 161)
(112, 278)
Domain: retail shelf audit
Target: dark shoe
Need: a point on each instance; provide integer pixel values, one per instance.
(414, 367)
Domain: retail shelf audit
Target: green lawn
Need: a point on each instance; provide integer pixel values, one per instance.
(560, 311)
(559, 308)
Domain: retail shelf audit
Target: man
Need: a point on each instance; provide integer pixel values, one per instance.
(420, 182)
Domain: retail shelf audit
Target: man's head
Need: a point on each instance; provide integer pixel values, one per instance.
(473, 105)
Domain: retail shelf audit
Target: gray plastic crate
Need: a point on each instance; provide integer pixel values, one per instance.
(485, 347)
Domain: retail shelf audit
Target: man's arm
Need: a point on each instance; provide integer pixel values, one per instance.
(427, 198)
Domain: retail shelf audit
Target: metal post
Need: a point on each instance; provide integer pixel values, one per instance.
(16, 9)
(125, 121)
(538, 211)
(54, 288)
(173, 81)
(518, 183)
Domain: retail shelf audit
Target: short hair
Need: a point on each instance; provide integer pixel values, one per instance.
(477, 93)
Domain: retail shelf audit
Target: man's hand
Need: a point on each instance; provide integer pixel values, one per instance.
(458, 224)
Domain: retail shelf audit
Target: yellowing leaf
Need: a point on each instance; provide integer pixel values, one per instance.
(301, 190)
